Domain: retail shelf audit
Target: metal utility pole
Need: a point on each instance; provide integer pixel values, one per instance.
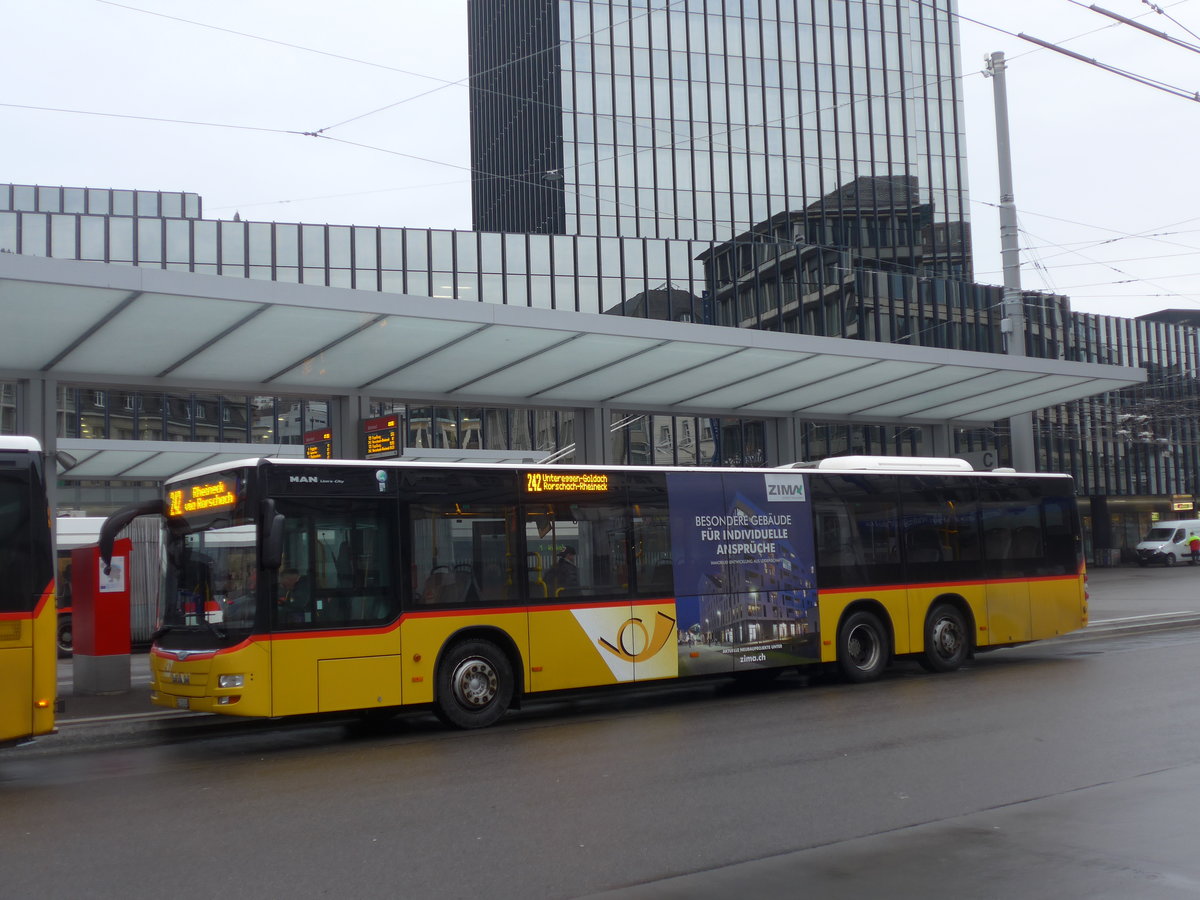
(1012, 325)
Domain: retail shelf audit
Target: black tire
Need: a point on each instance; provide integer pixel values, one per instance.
(474, 685)
(947, 641)
(65, 638)
(863, 648)
(1169, 560)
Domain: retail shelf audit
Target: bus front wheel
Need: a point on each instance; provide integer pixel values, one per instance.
(474, 685)
(946, 640)
(862, 649)
(64, 638)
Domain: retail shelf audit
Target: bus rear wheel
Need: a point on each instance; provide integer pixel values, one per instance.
(862, 648)
(474, 685)
(946, 641)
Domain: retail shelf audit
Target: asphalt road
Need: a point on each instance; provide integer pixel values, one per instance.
(1064, 769)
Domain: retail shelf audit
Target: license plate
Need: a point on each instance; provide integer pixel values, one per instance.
(181, 702)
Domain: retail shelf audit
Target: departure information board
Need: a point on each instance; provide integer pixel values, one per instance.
(318, 444)
(383, 436)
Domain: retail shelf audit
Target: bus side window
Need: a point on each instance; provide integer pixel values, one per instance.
(345, 553)
(460, 559)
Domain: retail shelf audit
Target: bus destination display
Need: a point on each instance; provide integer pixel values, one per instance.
(566, 482)
(201, 497)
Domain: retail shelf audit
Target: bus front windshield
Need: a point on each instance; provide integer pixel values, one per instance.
(212, 582)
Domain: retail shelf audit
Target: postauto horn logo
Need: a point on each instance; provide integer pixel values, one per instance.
(639, 645)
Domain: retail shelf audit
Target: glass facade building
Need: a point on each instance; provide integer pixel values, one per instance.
(697, 119)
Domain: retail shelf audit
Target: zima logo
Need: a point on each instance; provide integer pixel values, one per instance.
(785, 488)
(635, 644)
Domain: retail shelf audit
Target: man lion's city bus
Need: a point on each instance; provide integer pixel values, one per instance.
(298, 586)
(28, 655)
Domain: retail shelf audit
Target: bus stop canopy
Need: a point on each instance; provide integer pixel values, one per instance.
(96, 323)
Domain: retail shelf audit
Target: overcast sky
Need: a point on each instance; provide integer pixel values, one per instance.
(1105, 170)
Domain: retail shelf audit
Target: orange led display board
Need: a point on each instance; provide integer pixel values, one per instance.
(201, 497)
(566, 482)
(318, 444)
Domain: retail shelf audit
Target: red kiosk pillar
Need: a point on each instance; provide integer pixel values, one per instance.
(100, 620)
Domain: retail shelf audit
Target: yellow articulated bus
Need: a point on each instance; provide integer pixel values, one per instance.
(28, 655)
(298, 586)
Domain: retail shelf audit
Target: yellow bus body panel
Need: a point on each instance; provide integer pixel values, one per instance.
(1057, 606)
(923, 597)
(424, 635)
(311, 672)
(332, 671)
(557, 648)
(595, 645)
(28, 672)
(832, 605)
(193, 682)
(16, 674)
(1003, 612)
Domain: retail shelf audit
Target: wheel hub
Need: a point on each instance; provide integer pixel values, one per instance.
(946, 639)
(474, 682)
(862, 647)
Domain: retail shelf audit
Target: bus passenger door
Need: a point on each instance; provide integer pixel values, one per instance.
(336, 645)
(581, 620)
(1007, 595)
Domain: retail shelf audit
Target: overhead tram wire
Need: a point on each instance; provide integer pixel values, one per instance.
(506, 64)
(917, 271)
(1138, 25)
(678, 139)
(1158, 9)
(1132, 76)
(164, 120)
(1156, 237)
(259, 37)
(913, 271)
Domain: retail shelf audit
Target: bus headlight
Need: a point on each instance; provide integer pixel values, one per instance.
(231, 681)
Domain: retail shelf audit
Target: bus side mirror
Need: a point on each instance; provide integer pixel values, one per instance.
(272, 536)
(113, 524)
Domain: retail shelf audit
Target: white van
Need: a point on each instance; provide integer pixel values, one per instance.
(1167, 542)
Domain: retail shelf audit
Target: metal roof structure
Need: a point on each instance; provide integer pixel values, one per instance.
(97, 323)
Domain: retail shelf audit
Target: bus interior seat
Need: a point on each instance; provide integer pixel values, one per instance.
(437, 587)
(466, 589)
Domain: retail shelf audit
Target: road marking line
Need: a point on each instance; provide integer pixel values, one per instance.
(124, 717)
(1149, 616)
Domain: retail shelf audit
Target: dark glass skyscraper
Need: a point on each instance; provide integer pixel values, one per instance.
(701, 119)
